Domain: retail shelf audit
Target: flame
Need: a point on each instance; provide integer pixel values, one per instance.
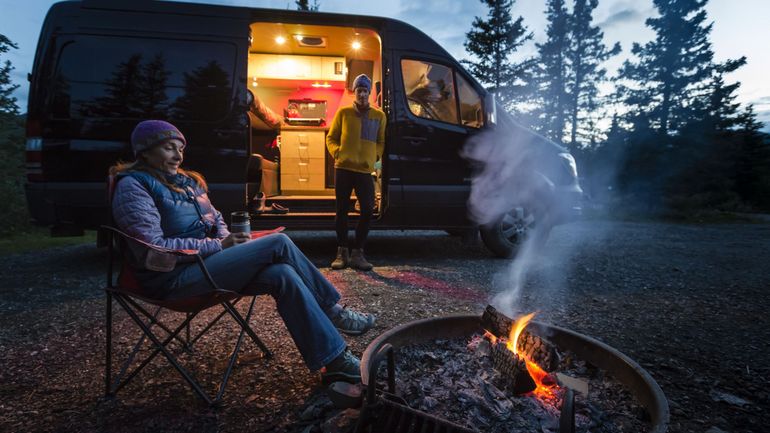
(518, 326)
(539, 375)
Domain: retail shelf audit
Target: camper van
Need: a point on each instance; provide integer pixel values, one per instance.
(254, 91)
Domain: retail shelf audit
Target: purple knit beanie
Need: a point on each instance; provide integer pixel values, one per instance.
(150, 133)
(362, 81)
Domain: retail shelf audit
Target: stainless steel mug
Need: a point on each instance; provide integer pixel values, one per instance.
(240, 222)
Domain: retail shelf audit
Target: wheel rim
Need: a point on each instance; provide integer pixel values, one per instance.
(515, 225)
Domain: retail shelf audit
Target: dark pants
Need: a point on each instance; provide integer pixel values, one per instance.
(345, 182)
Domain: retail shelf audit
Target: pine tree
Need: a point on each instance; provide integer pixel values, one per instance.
(585, 54)
(551, 75)
(492, 42)
(669, 77)
(8, 104)
(304, 5)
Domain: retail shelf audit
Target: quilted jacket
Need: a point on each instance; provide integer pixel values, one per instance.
(146, 209)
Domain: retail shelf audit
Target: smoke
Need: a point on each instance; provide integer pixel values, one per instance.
(514, 182)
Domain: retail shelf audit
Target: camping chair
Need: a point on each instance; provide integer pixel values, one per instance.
(128, 292)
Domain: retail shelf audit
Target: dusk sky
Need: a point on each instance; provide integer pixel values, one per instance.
(740, 29)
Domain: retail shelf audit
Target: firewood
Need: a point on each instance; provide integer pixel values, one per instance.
(536, 348)
(512, 369)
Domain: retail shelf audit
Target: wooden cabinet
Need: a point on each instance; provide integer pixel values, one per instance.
(303, 160)
(283, 66)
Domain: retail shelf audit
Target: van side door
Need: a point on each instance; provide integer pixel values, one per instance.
(436, 110)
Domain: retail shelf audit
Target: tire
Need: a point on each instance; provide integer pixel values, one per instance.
(505, 236)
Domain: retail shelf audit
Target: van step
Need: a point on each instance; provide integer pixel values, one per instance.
(307, 204)
(322, 215)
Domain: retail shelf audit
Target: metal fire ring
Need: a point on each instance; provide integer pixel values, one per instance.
(624, 369)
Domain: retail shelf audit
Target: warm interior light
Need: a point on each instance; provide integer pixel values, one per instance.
(356, 45)
(325, 85)
(280, 40)
(298, 37)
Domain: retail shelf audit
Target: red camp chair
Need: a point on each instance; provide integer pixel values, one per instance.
(130, 295)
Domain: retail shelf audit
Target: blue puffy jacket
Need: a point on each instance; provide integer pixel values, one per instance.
(146, 209)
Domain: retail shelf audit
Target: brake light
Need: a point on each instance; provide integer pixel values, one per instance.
(34, 158)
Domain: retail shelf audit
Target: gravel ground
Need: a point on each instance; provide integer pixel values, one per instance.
(687, 302)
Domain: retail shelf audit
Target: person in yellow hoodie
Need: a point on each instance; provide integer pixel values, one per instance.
(355, 140)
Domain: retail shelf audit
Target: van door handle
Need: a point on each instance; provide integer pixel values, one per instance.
(416, 141)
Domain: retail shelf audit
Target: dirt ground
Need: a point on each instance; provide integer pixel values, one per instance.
(689, 303)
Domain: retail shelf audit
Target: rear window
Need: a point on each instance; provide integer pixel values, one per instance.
(139, 78)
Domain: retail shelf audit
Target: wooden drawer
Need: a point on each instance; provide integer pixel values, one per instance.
(303, 144)
(301, 182)
(312, 166)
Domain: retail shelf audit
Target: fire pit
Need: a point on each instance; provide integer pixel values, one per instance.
(386, 411)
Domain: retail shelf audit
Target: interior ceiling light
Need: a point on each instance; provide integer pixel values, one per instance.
(325, 85)
(356, 45)
(280, 40)
(311, 41)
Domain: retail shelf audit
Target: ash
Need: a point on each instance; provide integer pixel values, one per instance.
(454, 379)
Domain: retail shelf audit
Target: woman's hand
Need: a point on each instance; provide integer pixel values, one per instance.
(235, 239)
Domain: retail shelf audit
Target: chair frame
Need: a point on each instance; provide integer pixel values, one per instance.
(127, 298)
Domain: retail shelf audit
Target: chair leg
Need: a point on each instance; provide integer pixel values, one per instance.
(108, 351)
(234, 356)
(210, 324)
(245, 326)
(134, 351)
(153, 320)
(161, 347)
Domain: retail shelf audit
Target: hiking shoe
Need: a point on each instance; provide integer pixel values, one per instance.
(358, 261)
(346, 368)
(341, 261)
(352, 322)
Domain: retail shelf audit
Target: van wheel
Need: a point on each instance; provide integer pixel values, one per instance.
(505, 236)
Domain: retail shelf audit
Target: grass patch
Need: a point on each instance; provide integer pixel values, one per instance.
(39, 238)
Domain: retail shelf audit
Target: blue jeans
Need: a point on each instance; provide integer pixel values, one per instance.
(274, 265)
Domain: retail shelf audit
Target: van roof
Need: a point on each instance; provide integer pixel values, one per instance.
(399, 35)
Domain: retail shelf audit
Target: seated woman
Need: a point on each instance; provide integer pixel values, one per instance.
(158, 202)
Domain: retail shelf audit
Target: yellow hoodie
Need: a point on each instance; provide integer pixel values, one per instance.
(356, 140)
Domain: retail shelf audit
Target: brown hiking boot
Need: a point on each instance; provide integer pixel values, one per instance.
(358, 261)
(342, 259)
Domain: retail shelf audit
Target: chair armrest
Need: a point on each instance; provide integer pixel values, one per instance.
(260, 233)
(149, 245)
(151, 257)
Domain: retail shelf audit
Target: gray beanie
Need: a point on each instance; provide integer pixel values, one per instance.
(150, 133)
(362, 81)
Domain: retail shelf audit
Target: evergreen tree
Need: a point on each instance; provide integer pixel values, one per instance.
(585, 54)
(153, 100)
(752, 178)
(304, 5)
(492, 42)
(7, 101)
(551, 73)
(721, 111)
(12, 204)
(122, 92)
(668, 78)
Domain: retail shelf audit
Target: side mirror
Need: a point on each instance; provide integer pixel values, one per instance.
(490, 107)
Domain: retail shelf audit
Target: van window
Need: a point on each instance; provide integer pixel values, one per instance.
(137, 78)
(430, 90)
(471, 111)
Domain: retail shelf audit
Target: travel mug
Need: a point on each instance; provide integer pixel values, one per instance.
(240, 222)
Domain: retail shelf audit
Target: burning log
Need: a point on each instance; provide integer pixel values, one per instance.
(513, 369)
(533, 346)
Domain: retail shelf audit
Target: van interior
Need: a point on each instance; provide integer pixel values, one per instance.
(300, 75)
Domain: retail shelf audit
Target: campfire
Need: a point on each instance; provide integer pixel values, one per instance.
(511, 359)
(502, 377)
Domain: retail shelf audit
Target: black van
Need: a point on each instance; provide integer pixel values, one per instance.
(253, 91)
